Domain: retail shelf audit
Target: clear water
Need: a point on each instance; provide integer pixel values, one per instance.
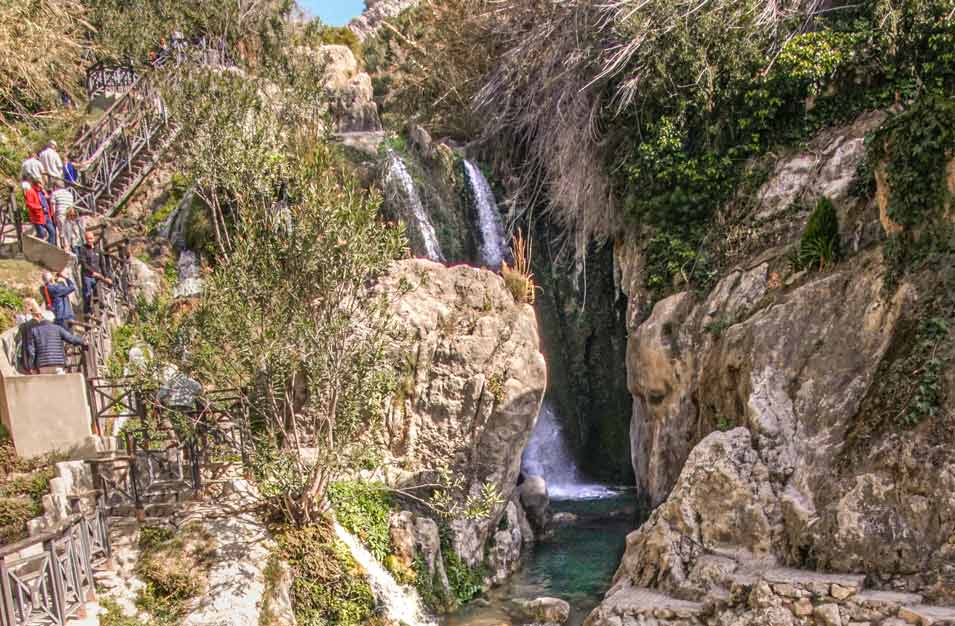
(576, 564)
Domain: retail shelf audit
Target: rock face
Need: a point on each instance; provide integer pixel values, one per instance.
(784, 364)
(377, 11)
(353, 107)
(471, 389)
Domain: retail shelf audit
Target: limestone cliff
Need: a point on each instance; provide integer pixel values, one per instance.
(787, 363)
(469, 393)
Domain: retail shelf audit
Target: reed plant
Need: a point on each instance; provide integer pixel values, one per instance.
(519, 279)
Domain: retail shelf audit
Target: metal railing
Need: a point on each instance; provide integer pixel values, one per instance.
(52, 584)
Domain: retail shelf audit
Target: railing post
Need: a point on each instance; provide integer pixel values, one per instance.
(133, 470)
(17, 219)
(56, 574)
(6, 596)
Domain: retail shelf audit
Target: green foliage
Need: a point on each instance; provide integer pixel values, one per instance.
(328, 587)
(672, 263)
(21, 493)
(819, 245)
(173, 567)
(363, 510)
(323, 35)
(466, 583)
(131, 29)
(113, 615)
(916, 146)
(11, 303)
(717, 326)
(928, 394)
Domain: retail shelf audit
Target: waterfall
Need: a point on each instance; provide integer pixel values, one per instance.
(190, 283)
(174, 228)
(490, 228)
(548, 455)
(409, 203)
(401, 604)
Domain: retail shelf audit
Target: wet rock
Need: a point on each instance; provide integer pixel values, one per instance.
(546, 610)
(146, 283)
(536, 502)
(563, 518)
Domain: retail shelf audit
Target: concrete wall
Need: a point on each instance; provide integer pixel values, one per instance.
(44, 413)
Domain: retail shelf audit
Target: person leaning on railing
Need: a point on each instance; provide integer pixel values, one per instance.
(92, 269)
(45, 350)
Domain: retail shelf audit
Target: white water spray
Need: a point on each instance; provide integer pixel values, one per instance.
(190, 280)
(401, 604)
(401, 182)
(490, 228)
(548, 455)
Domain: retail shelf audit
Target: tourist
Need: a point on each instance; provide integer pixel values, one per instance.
(32, 169)
(38, 210)
(70, 174)
(45, 350)
(56, 293)
(74, 231)
(25, 324)
(52, 163)
(63, 201)
(92, 269)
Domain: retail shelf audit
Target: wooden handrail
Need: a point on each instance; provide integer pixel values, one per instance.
(43, 537)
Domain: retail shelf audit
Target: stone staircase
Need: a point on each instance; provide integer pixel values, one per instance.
(774, 596)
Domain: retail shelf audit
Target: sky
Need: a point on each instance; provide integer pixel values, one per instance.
(333, 12)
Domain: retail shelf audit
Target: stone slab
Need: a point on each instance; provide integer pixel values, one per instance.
(42, 253)
(887, 597)
(806, 577)
(925, 615)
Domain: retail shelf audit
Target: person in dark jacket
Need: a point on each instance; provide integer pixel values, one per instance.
(92, 270)
(32, 317)
(56, 295)
(45, 349)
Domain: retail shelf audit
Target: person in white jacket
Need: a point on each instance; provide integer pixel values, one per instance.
(52, 163)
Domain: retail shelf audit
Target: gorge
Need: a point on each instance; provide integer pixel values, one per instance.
(534, 313)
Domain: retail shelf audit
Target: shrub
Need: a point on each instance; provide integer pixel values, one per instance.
(915, 147)
(173, 567)
(519, 279)
(819, 245)
(328, 586)
(363, 510)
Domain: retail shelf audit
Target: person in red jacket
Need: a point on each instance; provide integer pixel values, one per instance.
(38, 206)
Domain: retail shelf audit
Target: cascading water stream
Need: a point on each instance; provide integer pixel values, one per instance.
(490, 228)
(401, 605)
(401, 182)
(548, 455)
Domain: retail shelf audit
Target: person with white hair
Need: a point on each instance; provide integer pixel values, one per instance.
(32, 169)
(45, 347)
(56, 294)
(52, 162)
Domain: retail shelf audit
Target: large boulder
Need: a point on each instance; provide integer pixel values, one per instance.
(471, 386)
(353, 108)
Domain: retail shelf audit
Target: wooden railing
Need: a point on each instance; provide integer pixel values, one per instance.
(167, 449)
(11, 221)
(52, 584)
(102, 78)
